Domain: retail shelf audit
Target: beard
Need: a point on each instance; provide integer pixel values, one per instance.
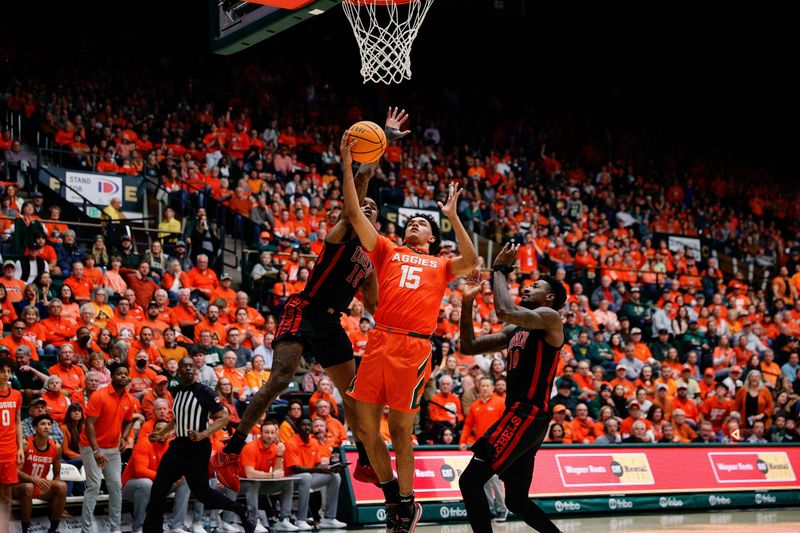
(529, 304)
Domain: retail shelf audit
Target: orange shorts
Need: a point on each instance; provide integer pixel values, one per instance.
(393, 371)
(8, 473)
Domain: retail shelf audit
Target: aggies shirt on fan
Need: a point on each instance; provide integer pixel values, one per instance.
(411, 286)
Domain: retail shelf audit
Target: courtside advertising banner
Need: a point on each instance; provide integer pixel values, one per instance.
(565, 472)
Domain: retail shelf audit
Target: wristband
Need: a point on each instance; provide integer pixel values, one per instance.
(503, 269)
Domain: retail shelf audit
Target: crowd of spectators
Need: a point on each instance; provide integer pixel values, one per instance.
(662, 345)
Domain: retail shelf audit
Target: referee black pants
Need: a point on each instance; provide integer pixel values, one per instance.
(190, 460)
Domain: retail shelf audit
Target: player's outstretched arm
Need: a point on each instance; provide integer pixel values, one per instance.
(486, 343)
(366, 232)
(468, 260)
(544, 318)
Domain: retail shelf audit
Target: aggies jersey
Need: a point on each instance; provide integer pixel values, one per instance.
(340, 270)
(38, 463)
(531, 366)
(10, 407)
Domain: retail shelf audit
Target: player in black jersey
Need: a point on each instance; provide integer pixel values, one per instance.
(311, 323)
(533, 338)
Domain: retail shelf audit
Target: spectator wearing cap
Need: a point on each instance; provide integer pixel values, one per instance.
(560, 414)
(641, 350)
(13, 285)
(717, 407)
(687, 380)
(663, 399)
(635, 413)
(707, 384)
(668, 379)
(127, 252)
(159, 391)
(38, 408)
(683, 402)
(564, 395)
(180, 253)
(620, 378)
(68, 253)
(602, 399)
(695, 339)
(637, 311)
(224, 291)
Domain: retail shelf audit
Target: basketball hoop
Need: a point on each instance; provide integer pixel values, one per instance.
(385, 31)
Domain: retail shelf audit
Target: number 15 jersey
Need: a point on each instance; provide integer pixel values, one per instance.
(411, 286)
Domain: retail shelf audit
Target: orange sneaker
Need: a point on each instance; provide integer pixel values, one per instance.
(226, 467)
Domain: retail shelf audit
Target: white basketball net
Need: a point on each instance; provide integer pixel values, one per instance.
(385, 32)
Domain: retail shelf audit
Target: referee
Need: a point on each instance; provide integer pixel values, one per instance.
(189, 453)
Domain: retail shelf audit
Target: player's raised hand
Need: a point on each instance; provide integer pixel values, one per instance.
(344, 148)
(470, 291)
(450, 209)
(507, 256)
(395, 119)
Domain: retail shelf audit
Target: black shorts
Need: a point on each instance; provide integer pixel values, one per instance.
(321, 333)
(519, 432)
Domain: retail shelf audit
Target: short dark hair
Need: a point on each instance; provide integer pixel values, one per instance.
(433, 249)
(557, 289)
(113, 367)
(6, 362)
(37, 419)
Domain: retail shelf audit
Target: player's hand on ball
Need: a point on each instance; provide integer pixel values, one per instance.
(507, 256)
(344, 148)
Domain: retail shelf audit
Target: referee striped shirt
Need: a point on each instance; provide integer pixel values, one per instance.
(193, 407)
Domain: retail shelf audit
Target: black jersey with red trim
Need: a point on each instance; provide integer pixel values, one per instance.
(531, 368)
(340, 270)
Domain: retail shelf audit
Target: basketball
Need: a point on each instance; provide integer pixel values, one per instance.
(370, 141)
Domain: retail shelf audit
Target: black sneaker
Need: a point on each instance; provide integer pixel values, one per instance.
(391, 516)
(249, 518)
(406, 520)
(501, 517)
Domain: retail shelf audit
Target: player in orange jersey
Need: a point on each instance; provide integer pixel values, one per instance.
(42, 455)
(396, 364)
(12, 444)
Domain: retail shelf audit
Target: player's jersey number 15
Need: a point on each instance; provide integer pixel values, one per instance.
(410, 278)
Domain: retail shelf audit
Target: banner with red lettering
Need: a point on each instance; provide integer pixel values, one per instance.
(565, 471)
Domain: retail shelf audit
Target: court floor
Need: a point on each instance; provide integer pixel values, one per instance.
(773, 520)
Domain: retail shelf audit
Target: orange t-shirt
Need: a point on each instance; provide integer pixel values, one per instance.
(14, 288)
(81, 289)
(359, 342)
(299, 453)
(57, 406)
(9, 342)
(141, 381)
(10, 407)
(411, 286)
(59, 331)
(202, 280)
(123, 329)
(482, 414)
(111, 410)
(258, 455)
(71, 378)
(716, 411)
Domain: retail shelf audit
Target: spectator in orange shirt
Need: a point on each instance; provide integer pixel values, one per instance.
(71, 375)
(224, 291)
(324, 392)
(80, 285)
(228, 370)
(770, 369)
(683, 431)
(140, 283)
(483, 412)
(201, 277)
(253, 316)
(620, 379)
(141, 375)
(358, 338)
(13, 285)
(57, 403)
(445, 407)
(159, 391)
(213, 325)
(560, 417)
(686, 404)
(636, 413)
(336, 432)
(583, 429)
(58, 330)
